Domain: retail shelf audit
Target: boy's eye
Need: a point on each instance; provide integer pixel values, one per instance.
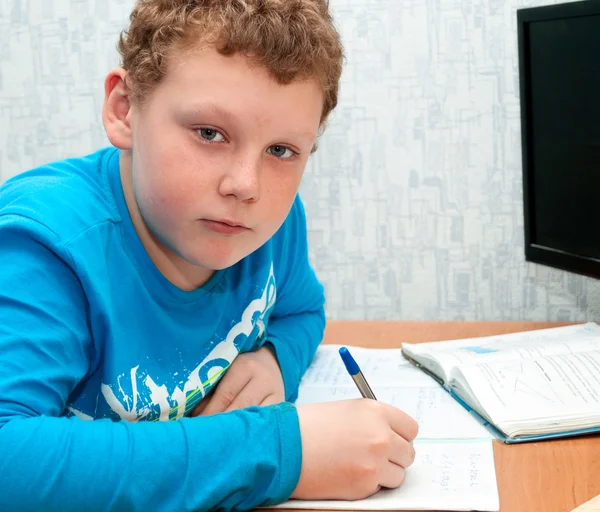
(211, 135)
(281, 151)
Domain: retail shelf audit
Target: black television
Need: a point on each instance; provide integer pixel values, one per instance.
(559, 79)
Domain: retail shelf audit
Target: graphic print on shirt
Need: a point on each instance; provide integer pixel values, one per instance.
(160, 403)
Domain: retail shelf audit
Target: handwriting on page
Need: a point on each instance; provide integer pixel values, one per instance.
(461, 473)
(380, 367)
(437, 413)
(444, 476)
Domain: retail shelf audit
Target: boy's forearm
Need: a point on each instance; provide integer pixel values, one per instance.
(229, 461)
(295, 339)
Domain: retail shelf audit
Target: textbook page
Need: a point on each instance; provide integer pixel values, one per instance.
(505, 347)
(538, 389)
(394, 381)
(446, 475)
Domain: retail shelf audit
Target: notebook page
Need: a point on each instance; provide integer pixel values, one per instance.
(394, 381)
(505, 347)
(446, 475)
(565, 384)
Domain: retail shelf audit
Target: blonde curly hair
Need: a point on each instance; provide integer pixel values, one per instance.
(292, 39)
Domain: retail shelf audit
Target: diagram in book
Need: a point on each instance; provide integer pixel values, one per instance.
(531, 384)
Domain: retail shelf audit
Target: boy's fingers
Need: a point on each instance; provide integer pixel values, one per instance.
(393, 476)
(227, 390)
(197, 410)
(403, 452)
(402, 423)
(247, 397)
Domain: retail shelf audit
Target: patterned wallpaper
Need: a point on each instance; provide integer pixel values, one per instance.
(414, 196)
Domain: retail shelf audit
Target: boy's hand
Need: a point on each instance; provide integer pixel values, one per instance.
(353, 448)
(254, 378)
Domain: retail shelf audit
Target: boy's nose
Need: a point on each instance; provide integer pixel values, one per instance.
(242, 180)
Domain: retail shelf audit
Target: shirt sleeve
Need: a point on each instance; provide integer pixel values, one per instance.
(232, 461)
(297, 323)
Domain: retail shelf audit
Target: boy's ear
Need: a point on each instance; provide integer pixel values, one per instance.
(116, 110)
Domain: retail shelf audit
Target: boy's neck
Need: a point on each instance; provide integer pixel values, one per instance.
(179, 272)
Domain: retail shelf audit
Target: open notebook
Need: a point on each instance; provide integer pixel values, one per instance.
(454, 465)
(522, 386)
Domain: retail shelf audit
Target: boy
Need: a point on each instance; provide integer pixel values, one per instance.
(172, 267)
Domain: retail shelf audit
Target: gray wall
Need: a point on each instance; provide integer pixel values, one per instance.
(414, 197)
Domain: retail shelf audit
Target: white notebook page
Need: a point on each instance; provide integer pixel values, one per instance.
(446, 475)
(454, 466)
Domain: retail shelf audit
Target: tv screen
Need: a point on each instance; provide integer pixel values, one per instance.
(559, 72)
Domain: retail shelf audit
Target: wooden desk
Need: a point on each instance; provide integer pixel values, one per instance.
(549, 476)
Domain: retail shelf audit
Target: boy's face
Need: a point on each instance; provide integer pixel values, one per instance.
(218, 151)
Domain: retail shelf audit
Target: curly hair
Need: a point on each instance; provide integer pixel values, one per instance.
(292, 39)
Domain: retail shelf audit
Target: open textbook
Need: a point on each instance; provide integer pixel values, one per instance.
(454, 464)
(522, 386)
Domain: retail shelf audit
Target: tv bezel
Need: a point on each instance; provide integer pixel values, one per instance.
(534, 252)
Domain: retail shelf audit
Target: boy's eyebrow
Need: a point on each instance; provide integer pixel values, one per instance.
(212, 108)
(217, 110)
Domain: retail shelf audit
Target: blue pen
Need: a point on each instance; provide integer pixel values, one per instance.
(356, 374)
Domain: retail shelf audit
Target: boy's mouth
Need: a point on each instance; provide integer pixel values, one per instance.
(224, 226)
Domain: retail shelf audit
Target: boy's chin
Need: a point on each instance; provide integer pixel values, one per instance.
(221, 256)
(220, 261)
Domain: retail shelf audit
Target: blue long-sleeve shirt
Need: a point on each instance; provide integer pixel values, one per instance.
(91, 330)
